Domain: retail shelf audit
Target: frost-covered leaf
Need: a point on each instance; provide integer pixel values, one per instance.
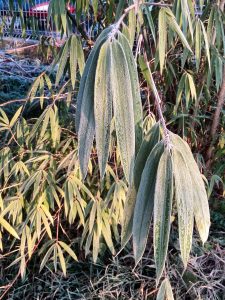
(200, 199)
(184, 203)
(162, 210)
(123, 109)
(85, 123)
(137, 105)
(103, 105)
(145, 201)
(165, 291)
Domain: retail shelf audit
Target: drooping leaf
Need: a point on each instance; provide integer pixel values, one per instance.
(73, 60)
(148, 143)
(162, 24)
(145, 202)
(184, 203)
(62, 62)
(137, 105)
(15, 117)
(103, 105)
(198, 44)
(171, 20)
(61, 259)
(9, 228)
(163, 198)
(123, 109)
(200, 199)
(85, 123)
(165, 291)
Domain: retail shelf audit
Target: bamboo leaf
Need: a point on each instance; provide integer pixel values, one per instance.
(171, 20)
(145, 201)
(148, 143)
(68, 250)
(15, 117)
(62, 62)
(184, 203)
(206, 43)
(103, 106)
(9, 228)
(198, 43)
(123, 109)
(137, 105)
(162, 25)
(200, 199)
(73, 60)
(163, 198)
(61, 259)
(150, 23)
(80, 56)
(85, 105)
(165, 291)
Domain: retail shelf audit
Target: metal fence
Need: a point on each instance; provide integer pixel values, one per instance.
(26, 20)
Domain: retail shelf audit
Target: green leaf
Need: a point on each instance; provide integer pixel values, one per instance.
(46, 257)
(165, 291)
(85, 123)
(9, 228)
(173, 24)
(137, 104)
(106, 232)
(68, 250)
(145, 201)
(80, 56)
(128, 215)
(206, 43)
(73, 60)
(62, 62)
(184, 203)
(200, 199)
(123, 109)
(162, 25)
(61, 259)
(103, 106)
(192, 86)
(163, 198)
(180, 89)
(150, 22)
(198, 43)
(45, 222)
(15, 117)
(148, 143)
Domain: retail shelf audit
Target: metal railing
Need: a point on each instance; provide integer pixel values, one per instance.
(30, 20)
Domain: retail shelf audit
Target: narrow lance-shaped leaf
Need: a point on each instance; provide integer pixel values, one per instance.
(171, 20)
(103, 105)
(85, 123)
(62, 62)
(148, 143)
(184, 203)
(145, 201)
(198, 43)
(206, 44)
(162, 210)
(165, 291)
(162, 24)
(73, 60)
(123, 109)
(200, 199)
(8, 227)
(137, 105)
